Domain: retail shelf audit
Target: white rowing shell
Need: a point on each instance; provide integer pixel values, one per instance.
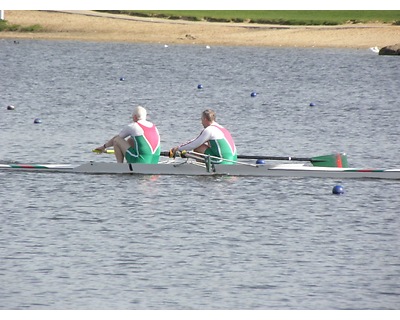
(198, 169)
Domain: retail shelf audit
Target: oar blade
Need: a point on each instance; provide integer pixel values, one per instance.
(338, 160)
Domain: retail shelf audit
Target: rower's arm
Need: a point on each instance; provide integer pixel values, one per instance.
(200, 140)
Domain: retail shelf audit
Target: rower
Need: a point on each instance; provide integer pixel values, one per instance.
(143, 143)
(214, 140)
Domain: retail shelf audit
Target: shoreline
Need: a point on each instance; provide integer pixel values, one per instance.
(82, 25)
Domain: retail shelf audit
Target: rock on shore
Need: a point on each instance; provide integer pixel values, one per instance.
(393, 50)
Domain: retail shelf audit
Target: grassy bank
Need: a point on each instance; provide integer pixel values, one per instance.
(282, 17)
(5, 26)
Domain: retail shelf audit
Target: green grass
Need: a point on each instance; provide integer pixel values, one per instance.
(5, 26)
(285, 17)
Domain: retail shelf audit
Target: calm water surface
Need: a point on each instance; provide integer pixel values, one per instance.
(162, 242)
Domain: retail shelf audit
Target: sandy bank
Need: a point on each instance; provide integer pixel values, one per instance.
(91, 26)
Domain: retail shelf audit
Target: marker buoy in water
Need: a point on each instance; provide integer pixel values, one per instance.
(338, 190)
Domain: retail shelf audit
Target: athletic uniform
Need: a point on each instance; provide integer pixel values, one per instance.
(147, 142)
(221, 144)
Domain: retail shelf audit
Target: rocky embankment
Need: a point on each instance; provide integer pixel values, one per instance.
(393, 50)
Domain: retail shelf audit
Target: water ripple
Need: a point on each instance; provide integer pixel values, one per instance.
(125, 242)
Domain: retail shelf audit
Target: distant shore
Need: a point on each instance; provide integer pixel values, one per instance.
(92, 26)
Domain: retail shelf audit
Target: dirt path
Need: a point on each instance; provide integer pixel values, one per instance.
(93, 26)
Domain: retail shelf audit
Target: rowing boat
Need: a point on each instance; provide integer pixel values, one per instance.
(191, 167)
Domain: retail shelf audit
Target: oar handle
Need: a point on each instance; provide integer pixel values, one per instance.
(108, 151)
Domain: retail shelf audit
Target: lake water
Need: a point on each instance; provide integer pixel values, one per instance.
(162, 242)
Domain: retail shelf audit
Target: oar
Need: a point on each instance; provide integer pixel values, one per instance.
(330, 160)
(337, 160)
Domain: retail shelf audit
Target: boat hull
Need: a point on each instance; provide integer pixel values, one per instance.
(195, 169)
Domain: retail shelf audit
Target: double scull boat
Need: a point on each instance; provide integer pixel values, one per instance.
(191, 166)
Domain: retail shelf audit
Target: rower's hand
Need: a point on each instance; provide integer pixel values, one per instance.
(100, 149)
(172, 152)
